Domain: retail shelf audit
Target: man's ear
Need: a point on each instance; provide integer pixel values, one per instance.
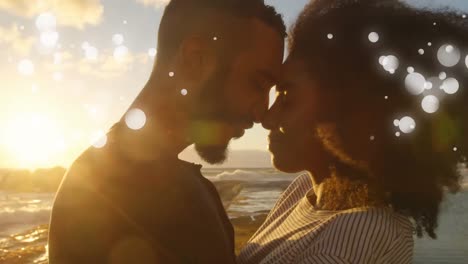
(197, 60)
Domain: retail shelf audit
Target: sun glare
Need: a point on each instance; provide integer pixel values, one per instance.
(33, 140)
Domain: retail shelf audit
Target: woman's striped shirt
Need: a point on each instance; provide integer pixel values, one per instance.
(296, 232)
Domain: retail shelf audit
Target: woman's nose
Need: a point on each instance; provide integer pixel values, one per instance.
(270, 119)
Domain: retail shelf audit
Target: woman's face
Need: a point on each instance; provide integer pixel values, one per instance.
(294, 118)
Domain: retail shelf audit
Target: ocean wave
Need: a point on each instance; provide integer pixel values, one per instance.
(24, 217)
(243, 175)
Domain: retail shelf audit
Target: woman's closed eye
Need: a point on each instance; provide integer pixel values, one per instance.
(282, 98)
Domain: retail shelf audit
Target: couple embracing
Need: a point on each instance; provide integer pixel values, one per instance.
(367, 188)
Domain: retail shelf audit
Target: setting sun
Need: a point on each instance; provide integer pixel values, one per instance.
(33, 139)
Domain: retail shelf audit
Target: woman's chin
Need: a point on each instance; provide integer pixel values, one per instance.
(285, 164)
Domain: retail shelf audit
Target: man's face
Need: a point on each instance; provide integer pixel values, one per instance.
(237, 94)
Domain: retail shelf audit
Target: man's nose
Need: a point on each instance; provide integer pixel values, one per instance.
(260, 110)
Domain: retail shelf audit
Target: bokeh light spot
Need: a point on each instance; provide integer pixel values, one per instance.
(442, 75)
(373, 37)
(430, 104)
(407, 124)
(152, 52)
(46, 22)
(120, 53)
(49, 38)
(448, 55)
(100, 140)
(415, 83)
(135, 119)
(117, 39)
(91, 53)
(450, 85)
(26, 67)
(390, 63)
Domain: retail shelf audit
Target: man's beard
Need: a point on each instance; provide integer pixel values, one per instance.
(211, 153)
(211, 109)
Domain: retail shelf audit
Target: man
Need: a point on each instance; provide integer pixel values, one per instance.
(134, 201)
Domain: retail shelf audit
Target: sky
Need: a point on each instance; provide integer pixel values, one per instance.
(70, 69)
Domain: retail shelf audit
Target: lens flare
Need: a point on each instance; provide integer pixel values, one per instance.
(450, 86)
(407, 124)
(117, 39)
(448, 55)
(91, 53)
(373, 37)
(415, 83)
(120, 53)
(26, 67)
(99, 140)
(442, 75)
(135, 119)
(49, 38)
(390, 63)
(46, 22)
(430, 104)
(152, 52)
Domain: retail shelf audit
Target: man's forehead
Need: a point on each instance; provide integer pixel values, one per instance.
(268, 74)
(264, 35)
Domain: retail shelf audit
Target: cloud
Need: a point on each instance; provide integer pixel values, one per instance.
(14, 38)
(106, 66)
(154, 3)
(75, 13)
(65, 62)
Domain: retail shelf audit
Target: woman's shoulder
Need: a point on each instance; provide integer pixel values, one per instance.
(366, 234)
(374, 223)
(380, 217)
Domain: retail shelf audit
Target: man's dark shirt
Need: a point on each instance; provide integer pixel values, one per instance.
(114, 210)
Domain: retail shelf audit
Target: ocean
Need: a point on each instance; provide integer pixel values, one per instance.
(245, 193)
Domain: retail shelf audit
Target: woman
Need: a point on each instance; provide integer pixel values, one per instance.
(380, 138)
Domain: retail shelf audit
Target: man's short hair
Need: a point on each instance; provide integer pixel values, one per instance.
(215, 17)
